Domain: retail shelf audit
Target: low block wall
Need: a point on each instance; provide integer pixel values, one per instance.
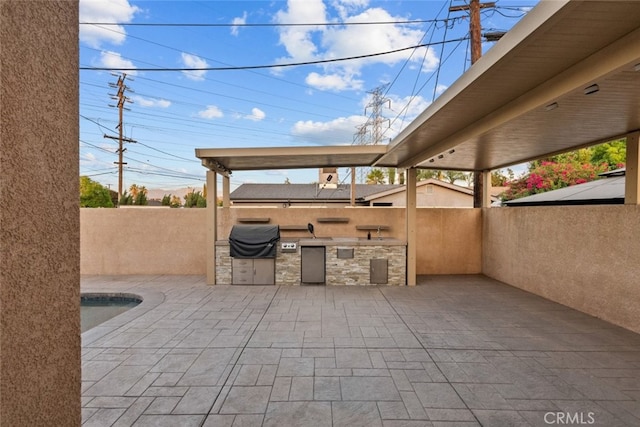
(585, 257)
(173, 241)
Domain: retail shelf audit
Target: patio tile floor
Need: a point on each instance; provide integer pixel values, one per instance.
(452, 351)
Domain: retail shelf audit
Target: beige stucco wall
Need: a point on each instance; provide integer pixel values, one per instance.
(39, 232)
(585, 257)
(143, 241)
(173, 241)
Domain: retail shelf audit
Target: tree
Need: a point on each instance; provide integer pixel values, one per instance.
(175, 202)
(375, 176)
(499, 179)
(547, 175)
(126, 199)
(613, 154)
(141, 197)
(424, 174)
(194, 199)
(452, 176)
(566, 169)
(401, 178)
(391, 174)
(93, 194)
(166, 200)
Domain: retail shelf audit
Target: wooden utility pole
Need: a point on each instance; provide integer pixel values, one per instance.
(121, 98)
(476, 52)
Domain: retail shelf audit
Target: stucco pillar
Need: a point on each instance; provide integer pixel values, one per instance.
(632, 174)
(226, 191)
(486, 189)
(412, 239)
(39, 214)
(212, 225)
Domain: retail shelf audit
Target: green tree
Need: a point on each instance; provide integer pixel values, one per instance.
(93, 194)
(566, 169)
(195, 199)
(613, 154)
(500, 179)
(452, 176)
(175, 202)
(126, 199)
(391, 174)
(375, 176)
(166, 200)
(424, 174)
(548, 175)
(141, 197)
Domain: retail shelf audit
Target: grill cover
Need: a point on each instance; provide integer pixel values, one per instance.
(254, 241)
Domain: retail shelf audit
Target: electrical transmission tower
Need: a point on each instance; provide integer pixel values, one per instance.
(121, 99)
(370, 133)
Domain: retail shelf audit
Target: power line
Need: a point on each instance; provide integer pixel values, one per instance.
(256, 67)
(272, 24)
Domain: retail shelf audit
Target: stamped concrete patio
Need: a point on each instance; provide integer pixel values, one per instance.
(453, 351)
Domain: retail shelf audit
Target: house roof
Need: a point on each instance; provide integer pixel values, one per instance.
(304, 192)
(609, 190)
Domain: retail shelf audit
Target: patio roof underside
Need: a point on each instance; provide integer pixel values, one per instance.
(525, 99)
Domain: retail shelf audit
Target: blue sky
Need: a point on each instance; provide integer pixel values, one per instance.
(173, 112)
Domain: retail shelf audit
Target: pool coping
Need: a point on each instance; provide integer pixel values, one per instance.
(149, 301)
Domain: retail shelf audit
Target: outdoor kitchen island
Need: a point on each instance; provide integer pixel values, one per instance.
(325, 261)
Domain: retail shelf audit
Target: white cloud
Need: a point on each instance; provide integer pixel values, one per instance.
(344, 7)
(241, 20)
(334, 82)
(306, 43)
(193, 61)
(115, 61)
(337, 131)
(212, 112)
(440, 89)
(150, 102)
(256, 115)
(108, 11)
(298, 41)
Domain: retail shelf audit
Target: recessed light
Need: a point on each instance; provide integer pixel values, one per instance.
(591, 89)
(551, 106)
(431, 160)
(441, 156)
(452, 151)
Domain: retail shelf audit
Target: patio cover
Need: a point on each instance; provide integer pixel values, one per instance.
(530, 96)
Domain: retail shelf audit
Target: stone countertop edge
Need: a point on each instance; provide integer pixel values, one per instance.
(346, 242)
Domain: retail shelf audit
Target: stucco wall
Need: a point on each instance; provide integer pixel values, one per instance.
(142, 241)
(39, 232)
(585, 257)
(173, 241)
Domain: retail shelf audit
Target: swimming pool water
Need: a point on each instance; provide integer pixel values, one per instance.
(98, 308)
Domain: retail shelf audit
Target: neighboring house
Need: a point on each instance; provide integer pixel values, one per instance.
(606, 191)
(285, 195)
(430, 193)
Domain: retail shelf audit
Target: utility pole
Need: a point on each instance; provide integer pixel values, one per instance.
(121, 98)
(474, 7)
